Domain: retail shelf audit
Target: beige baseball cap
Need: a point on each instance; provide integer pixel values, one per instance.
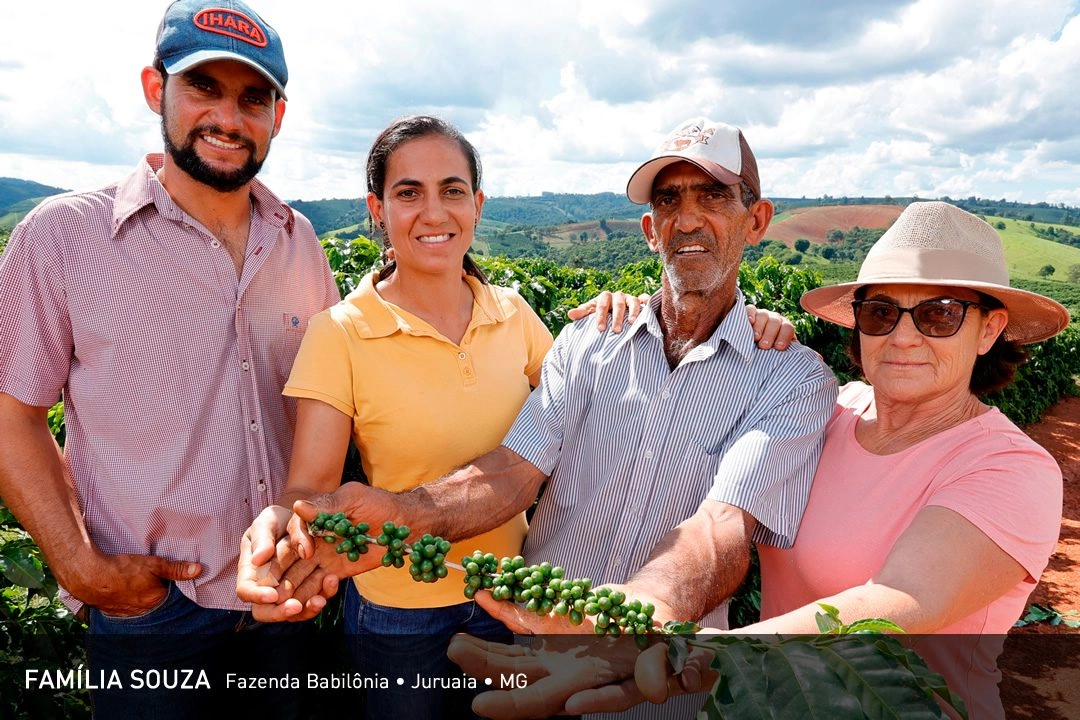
(717, 148)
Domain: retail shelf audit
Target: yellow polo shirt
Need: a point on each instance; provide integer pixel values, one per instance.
(422, 405)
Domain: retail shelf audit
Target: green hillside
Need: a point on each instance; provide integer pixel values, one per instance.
(12, 190)
(327, 215)
(507, 214)
(18, 197)
(1027, 253)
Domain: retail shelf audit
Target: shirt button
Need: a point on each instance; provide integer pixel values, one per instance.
(262, 486)
(245, 365)
(215, 244)
(254, 427)
(648, 454)
(666, 394)
(462, 356)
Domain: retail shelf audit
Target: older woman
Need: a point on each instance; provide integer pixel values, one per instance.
(949, 512)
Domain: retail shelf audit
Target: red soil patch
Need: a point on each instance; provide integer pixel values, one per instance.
(1041, 663)
(814, 223)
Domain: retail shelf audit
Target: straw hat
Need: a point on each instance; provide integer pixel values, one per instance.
(935, 243)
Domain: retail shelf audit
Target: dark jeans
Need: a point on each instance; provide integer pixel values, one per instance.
(411, 644)
(182, 661)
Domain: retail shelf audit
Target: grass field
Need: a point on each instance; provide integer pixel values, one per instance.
(1026, 252)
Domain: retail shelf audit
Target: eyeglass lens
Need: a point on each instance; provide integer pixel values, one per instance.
(934, 318)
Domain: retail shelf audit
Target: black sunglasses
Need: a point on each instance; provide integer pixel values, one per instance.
(933, 318)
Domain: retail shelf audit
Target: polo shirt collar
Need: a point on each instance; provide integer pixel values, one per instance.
(494, 305)
(143, 188)
(375, 318)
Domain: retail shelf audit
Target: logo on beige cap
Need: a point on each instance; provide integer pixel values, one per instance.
(687, 136)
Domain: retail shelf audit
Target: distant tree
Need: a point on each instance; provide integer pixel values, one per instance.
(793, 259)
(828, 253)
(1046, 271)
(802, 245)
(1074, 273)
(1000, 225)
(835, 235)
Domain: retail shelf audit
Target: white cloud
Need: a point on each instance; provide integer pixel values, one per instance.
(854, 97)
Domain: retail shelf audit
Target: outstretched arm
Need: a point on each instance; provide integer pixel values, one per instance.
(712, 544)
(469, 501)
(941, 569)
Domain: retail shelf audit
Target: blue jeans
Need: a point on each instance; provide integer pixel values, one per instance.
(411, 644)
(164, 659)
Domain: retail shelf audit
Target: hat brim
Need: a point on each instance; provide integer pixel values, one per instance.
(1032, 317)
(183, 64)
(639, 189)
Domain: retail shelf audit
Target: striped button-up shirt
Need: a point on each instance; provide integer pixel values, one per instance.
(171, 367)
(633, 447)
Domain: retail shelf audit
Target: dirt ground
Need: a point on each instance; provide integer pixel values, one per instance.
(814, 223)
(1041, 663)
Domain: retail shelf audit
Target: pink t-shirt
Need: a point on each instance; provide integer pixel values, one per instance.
(986, 469)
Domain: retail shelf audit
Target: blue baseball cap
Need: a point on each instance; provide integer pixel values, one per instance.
(194, 32)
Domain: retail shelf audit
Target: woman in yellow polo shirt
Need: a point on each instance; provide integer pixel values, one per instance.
(425, 366)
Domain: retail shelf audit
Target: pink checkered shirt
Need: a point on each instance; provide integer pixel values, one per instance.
(171, 367)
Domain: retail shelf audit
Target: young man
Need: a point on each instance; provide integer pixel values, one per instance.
(166, 310)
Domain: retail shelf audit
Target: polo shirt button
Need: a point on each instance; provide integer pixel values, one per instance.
(254, 427)
(215, 244)
(462, 356)
(245, 365)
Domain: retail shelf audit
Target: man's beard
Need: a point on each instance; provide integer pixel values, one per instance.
(185, 157)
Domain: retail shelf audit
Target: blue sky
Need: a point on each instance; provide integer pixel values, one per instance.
(848, 97)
